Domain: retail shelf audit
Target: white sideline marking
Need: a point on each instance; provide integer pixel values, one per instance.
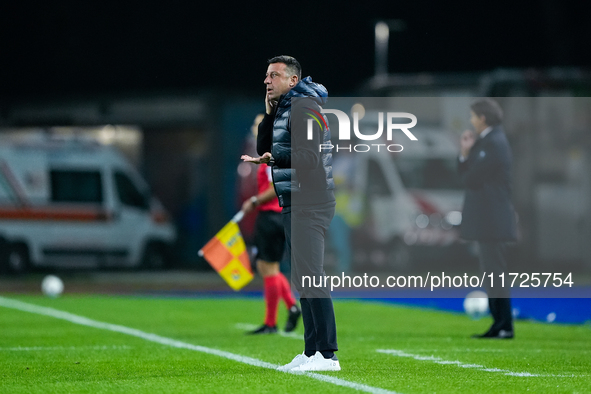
(438, 360)
(84, 321)
(38, 348)
(466, 350)
(251, 327)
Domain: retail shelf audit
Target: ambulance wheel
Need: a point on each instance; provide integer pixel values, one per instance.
(17, 258)
(3, 255)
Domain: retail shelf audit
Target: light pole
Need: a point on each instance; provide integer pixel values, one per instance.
(382, 37)
(382, 34)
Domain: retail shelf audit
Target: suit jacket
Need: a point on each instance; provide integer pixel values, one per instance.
(488, 213)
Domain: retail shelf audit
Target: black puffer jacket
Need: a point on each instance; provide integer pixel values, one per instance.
(302, 175)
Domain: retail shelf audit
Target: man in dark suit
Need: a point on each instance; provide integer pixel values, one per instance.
(488, 216)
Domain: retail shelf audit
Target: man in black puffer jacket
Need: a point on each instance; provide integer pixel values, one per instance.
(302, 177)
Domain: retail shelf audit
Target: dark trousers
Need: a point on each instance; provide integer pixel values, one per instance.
(305, 232)
(492, 259)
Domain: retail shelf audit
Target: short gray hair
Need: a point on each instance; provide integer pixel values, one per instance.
(292, 65)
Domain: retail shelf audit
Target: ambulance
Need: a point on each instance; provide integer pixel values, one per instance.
(74, 203)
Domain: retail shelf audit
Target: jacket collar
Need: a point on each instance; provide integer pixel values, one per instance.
(485, 132)
(304, 88)
(495, 130)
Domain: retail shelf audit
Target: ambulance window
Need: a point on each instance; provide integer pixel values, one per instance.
(376, 181)
(76, 186)
(6, 193)
(128, 192)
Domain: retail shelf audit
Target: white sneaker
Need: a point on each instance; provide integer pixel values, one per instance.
(318, 363)
(296, 362)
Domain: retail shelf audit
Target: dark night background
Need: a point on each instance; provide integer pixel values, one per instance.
(52, 49)
(185, 78)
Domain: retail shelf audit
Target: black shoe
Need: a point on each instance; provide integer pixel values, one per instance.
(494, 334)
(264, 329)
(292, 319)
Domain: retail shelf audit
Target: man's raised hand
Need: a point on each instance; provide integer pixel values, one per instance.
(265, 158)
(269, 105)
(467, 140)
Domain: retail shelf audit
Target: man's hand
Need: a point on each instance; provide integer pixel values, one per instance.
(466, 142)
(270, 105)
(265, 158)
(248, 206)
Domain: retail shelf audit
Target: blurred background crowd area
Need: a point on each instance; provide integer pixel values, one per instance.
(176, 93)
(397, 208)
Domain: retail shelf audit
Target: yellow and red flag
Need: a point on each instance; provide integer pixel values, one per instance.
(226, 253)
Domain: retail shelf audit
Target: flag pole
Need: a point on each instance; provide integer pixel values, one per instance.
(238, 217)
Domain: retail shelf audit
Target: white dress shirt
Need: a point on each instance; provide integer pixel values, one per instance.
(482, 134)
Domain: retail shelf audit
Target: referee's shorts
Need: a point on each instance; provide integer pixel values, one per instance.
(269, 236)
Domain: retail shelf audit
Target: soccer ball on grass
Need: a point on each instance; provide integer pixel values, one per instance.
(476, 304)
(52, 286)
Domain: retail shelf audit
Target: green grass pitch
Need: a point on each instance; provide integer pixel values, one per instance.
(421, 351)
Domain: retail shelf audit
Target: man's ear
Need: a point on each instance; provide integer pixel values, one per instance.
(483, 120)
(293, 81)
